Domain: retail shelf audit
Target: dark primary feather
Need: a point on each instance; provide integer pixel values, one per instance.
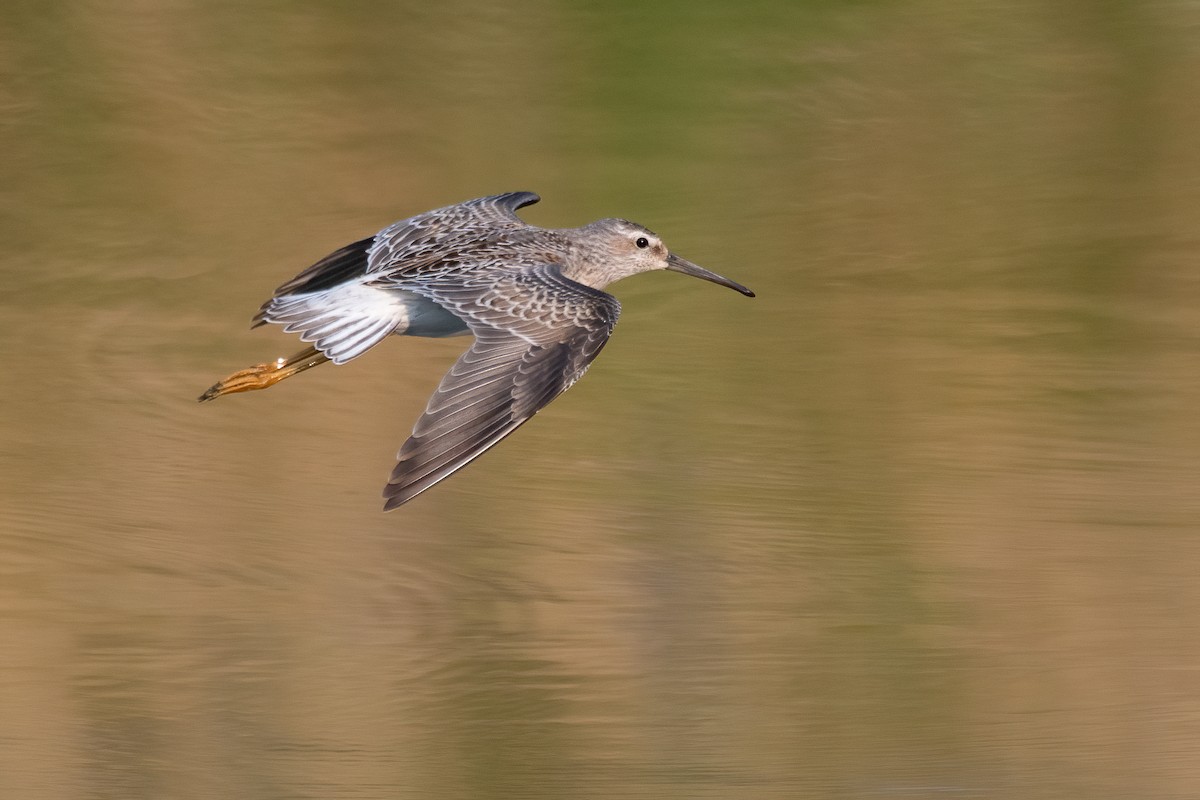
(338, 267)
(522, 358)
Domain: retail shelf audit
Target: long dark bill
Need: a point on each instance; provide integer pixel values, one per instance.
(678, 264)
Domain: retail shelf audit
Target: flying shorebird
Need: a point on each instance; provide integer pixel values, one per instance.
(532, 297)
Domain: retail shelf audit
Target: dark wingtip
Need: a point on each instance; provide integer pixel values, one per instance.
(512, 200)
(395, 496)
(526, 198)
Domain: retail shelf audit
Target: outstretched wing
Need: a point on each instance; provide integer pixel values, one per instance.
(423, 240)
(328, 305)
(523, 357)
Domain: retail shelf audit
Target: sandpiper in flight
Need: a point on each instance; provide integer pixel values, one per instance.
(532, 297)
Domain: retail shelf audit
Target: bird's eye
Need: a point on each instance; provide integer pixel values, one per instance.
(642, 242)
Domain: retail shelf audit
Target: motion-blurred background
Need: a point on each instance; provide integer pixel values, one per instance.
(921, 520)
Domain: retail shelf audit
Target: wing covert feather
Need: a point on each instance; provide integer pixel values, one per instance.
(514, 368)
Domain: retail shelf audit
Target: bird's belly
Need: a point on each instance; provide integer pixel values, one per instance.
(427, 318)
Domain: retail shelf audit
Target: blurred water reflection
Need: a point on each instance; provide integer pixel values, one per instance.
(919, 521)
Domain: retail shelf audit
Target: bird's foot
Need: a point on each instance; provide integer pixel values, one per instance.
(262, 376)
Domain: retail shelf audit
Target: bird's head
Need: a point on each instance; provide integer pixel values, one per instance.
(623, 248)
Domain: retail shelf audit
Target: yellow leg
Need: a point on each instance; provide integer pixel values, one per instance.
(261, 376)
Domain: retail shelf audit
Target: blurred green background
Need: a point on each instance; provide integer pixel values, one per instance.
(921, 520)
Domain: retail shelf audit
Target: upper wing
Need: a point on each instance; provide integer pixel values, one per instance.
(328, 303)
(522, 358)
(418, 240)
(428, 238)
